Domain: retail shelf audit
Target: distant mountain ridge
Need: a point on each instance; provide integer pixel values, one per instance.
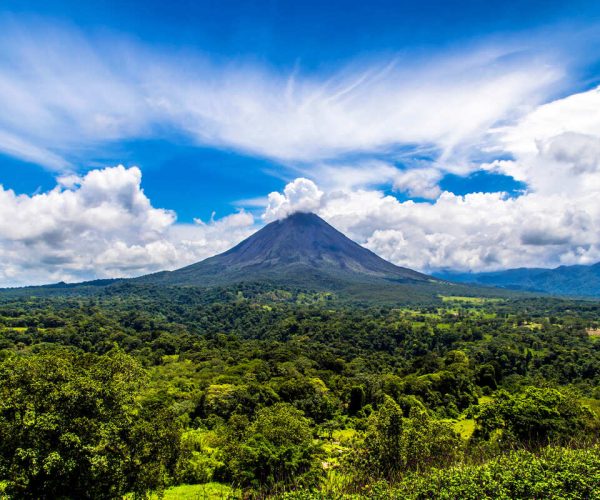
(576, 281)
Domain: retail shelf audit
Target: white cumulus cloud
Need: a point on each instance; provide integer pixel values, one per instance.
(555, 221)
(63, 92)
(301, 195)
(101, 225)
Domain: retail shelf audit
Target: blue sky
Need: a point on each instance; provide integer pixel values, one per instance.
(317, 37)
(220, 103)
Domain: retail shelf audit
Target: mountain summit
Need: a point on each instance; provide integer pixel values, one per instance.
(301, 249)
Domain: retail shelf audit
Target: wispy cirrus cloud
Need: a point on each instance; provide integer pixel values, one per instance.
(64, 93)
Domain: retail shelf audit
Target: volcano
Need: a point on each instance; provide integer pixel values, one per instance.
(301, 250)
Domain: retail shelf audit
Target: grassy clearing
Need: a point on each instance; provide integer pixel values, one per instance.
(17, 328)
(465, 427)
(337, 446)
(594, 334)
(469, 300)
(532, 326)
(208, 491)
(336, 481)
(344, 434)
(594, 404)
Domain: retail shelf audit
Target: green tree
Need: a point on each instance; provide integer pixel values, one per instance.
(357, 400)
(275, 451)
(394, 444)
(535, 416)
(70, 425)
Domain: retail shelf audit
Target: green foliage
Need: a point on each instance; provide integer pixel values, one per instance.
(275, 452)
(394, 444)
(555, 473)
(311, 396)
(277, 388)
(208, 491)
(71, 426)
(198, 460)
(534, 417)
(558, 473)
(357, 400)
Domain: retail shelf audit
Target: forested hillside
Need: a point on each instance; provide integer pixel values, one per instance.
(256, 391)
(575, 281)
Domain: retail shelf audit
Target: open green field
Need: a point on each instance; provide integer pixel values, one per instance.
(469, 300)
(209, 491)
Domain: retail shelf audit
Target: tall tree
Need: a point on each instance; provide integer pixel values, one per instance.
(71, 426)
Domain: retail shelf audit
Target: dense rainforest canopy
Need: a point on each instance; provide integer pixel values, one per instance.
(269, 391)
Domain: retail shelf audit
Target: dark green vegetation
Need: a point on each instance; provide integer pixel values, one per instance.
(577, 281)
(295, 393)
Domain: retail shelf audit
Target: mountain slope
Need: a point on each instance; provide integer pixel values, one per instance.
(581, 281)
(302, 249)
(301, 252)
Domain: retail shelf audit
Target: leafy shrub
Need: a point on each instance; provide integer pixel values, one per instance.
(534, 417)
(197, 461)
(554, 473)
(557, 473)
